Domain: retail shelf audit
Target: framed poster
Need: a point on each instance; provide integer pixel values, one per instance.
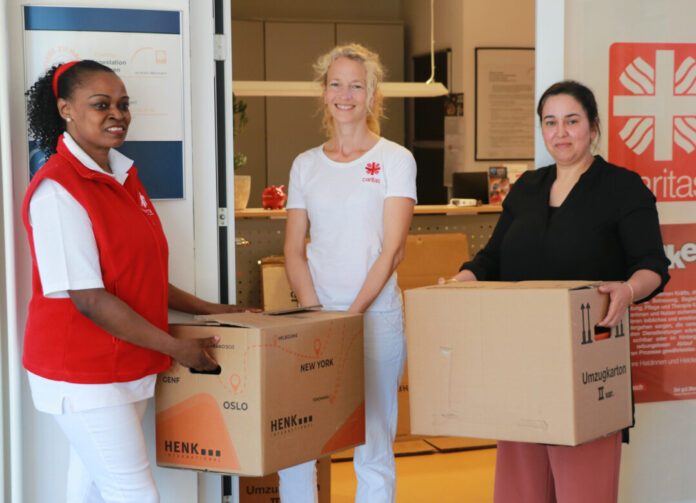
(504, 103)
(144, 48)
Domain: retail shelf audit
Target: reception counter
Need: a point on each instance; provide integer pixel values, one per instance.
(260, 233)
(427, 209)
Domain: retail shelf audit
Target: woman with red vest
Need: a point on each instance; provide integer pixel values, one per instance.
(96, 335)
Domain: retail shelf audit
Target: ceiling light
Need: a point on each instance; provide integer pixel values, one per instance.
(313, 89)
(427, 89)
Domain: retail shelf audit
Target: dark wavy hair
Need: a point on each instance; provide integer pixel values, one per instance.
(582, 95)
(45, 123)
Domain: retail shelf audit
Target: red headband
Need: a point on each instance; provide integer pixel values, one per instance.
(60, 71)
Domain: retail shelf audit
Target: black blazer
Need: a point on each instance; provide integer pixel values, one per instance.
(606, 229)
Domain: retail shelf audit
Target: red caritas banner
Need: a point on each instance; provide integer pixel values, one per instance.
(652, 115)
(663, 331)
(652, 130)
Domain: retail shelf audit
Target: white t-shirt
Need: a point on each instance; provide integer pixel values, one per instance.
(68, 259)
(345, 206)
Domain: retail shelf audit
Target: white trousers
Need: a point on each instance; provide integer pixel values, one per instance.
(375, 470)
(108, 456)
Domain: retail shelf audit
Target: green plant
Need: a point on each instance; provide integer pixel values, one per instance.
(239, 121)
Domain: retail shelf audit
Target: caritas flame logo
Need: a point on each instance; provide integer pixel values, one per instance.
(372, 168)
(144, 206)
(652, 115)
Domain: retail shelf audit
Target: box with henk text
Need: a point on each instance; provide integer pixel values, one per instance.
(289, 389)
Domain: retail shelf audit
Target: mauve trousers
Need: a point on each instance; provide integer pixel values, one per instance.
(538, 473)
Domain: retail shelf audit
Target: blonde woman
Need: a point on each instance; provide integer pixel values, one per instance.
(355, 194)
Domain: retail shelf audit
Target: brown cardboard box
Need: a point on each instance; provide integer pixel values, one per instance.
(290, 390)
(265, 489)
(403, 425)
(516, 361)
(276, 293)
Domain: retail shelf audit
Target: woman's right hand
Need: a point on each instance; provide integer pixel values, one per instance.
(465, 275)
(194, 353)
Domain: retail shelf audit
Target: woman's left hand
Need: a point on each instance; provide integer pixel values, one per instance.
(620, 297)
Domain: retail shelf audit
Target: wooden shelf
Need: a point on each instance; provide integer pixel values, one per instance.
(426, 209)
(448, 209)
(259, 213)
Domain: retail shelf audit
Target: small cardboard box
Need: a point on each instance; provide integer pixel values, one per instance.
(403, 425)
(290, 390)
(265, 489)
(516, 361)
(276, 293)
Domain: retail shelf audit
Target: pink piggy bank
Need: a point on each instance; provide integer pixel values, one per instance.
(273, 197)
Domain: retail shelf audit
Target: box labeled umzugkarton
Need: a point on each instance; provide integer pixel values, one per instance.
(265, 489)
(290, 390)
(516, 361)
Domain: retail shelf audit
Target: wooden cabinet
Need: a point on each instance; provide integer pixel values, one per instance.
(281, 128)
(248, 64)
(293, 125)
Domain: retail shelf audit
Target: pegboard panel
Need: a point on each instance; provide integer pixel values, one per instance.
(266, 237)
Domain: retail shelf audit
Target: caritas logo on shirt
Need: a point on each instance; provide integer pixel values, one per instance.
(144, 206)
(652, 115)
(371, 170)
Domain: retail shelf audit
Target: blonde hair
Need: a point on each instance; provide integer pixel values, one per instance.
(374, 73)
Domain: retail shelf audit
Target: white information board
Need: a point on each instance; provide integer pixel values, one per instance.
(144, 47)
(504, 103)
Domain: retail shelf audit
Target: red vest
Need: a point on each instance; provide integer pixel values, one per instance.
(60, 343)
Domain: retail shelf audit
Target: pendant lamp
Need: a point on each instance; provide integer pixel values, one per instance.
(426, 89)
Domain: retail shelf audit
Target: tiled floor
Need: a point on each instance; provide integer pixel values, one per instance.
(461, 477)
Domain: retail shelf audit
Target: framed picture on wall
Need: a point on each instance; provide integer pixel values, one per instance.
(504, 103)
(149, 60)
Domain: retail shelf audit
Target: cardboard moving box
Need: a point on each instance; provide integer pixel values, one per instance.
(516, 361)
(290, 389)
(265, 489)
(403, 424)
(275, 288)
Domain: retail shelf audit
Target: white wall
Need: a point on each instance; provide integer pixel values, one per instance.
(10, 391)
(463, 25)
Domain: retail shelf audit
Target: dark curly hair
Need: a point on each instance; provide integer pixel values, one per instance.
(45, 123)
